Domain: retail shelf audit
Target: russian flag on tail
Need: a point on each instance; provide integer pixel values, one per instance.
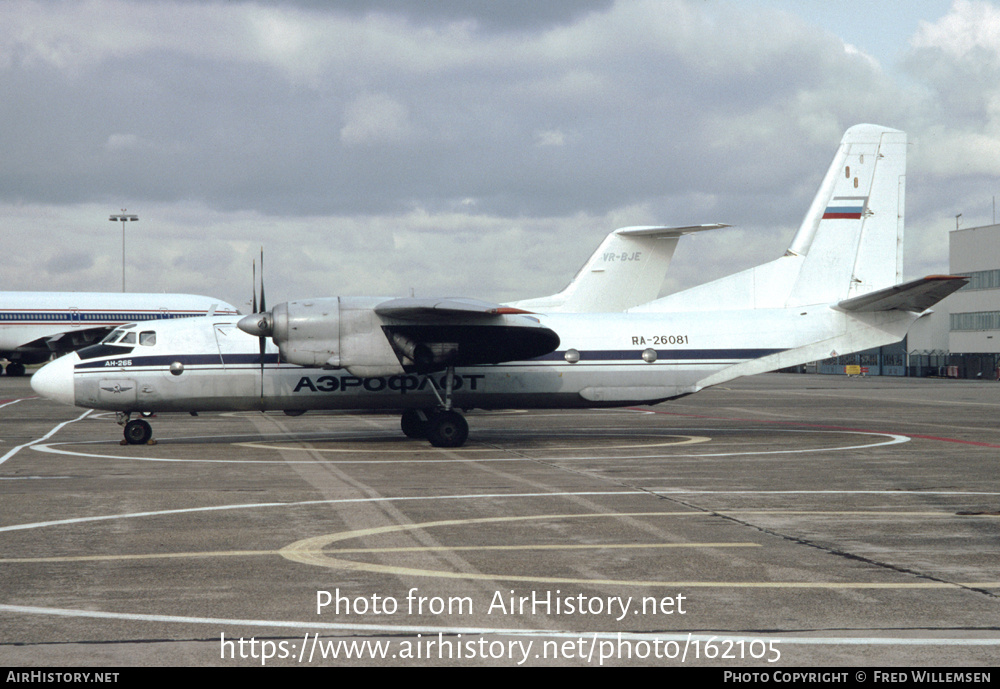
(846, 208)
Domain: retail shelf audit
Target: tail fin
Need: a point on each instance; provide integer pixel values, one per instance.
(850, 242)
(852, 237)
(626, 270)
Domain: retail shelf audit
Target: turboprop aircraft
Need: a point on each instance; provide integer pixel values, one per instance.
(34, 326)
(603, 341)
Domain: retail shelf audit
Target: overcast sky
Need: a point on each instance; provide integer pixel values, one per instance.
(477, 148)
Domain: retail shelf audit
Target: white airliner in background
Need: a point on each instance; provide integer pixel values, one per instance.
(606, 340)
(34, 326)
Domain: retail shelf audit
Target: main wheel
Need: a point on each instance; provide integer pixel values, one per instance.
(414, 424)
(138, 432)
(447, 429)
(15, 368)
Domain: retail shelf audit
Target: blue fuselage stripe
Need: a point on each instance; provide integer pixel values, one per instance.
(271, 359)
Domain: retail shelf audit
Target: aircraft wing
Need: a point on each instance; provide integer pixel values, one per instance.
(423, 309)
(431, 333)
(916, 296)
(62, 342)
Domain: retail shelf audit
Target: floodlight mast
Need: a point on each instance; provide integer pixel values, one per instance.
(123, 217)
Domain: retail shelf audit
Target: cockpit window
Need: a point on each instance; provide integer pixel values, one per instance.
(123, 336)
(148, 338)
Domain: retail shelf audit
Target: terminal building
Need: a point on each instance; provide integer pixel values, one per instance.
(961, 337)
(974, 311)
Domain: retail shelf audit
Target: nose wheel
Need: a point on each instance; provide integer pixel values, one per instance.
(136, 431)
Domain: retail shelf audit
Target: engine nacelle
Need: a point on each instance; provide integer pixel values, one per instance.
(337, 332)
(374, 336)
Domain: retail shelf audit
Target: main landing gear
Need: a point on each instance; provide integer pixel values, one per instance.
(137, 431)
(15, 368)
(441, 426)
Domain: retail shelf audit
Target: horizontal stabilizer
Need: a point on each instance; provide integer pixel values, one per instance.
(641, 231)
(915, 296)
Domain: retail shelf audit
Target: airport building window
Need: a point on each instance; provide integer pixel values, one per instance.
(983, 279)
(980, 320)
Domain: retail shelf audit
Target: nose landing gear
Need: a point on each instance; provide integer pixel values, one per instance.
(137, 431)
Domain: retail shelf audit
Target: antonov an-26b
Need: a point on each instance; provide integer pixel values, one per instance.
(606, 340)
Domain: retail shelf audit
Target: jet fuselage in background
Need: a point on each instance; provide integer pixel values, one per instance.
(34, 326)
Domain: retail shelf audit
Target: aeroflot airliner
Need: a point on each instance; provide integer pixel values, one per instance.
(606, 340)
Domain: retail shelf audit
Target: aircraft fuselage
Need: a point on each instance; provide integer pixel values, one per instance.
(602, 360)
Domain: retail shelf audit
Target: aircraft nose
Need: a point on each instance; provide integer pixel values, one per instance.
(54, 380)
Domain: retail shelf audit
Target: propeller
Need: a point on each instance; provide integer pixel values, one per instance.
(261, 339)
(263, 309)
(259, 322)
(263, 305)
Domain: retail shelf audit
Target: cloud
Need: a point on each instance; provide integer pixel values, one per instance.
(951, 153)
(374, 119)
(299, 109)
(550, 137)
(969, 26)
(123, 142)
(955, 61)
(510, 15)
(67, 262)
(334, 132)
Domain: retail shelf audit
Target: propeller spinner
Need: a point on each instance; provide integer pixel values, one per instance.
(257, 324)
